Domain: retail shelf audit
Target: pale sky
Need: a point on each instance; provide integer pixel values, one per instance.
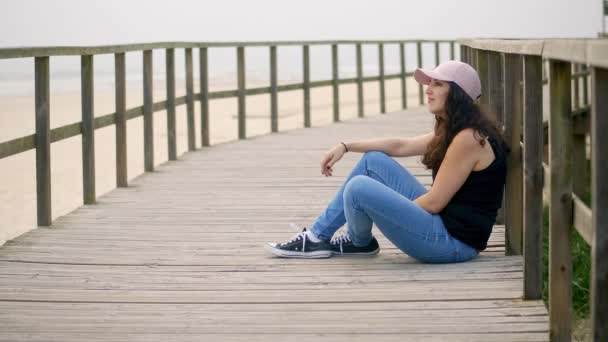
(87, 22)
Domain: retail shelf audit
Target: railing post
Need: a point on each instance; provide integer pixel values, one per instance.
(240, 52)
(360, 105)
(452, 50)
(381, 74)
(599, 203)
(88, 129)
(403, 76)
(148, 113)
(204, 85)
(464, 54)
(560, 209)
(437, 59)
(43, 142)
(306, 86)
(533, 176)
(482, 69)
(495, 90)
(419, 61)
(170, 74)
(274, 100)
(335, 85)
(121, 119)
(513, 191)
(190, 100)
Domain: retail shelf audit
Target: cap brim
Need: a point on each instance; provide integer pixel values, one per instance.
(424, 76)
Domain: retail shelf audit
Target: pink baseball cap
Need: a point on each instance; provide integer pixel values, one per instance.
(454, 71)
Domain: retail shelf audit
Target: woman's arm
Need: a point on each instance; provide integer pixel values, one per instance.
(394, 147)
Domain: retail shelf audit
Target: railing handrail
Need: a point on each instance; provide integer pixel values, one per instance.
(51, 51)
(589, 51)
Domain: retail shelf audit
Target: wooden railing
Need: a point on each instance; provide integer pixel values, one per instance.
(512, 78)
(44, 136)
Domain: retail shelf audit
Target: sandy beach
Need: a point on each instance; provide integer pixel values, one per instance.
(18, 173)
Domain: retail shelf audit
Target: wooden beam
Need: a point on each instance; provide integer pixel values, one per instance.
(360, 99)
(335, 85)
(170, 74)
(274, 98)
(381, 75)
(148, 112)
(43, 142)
(560, 209)
(403, 76)
(88, 129)
(121, 120)
(513, 121)
(190, 100)
(437, 54)
(306, 85)
(532, 176)
(599, 203)
(204, 95)
(419, 62)
(482, 69)
(240, 59)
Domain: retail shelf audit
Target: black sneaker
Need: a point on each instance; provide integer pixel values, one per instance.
(343, 245)
(300, 246)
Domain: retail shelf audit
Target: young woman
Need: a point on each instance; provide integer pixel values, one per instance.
(453, 220)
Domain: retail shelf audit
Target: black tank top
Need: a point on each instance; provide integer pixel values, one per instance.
(471, 213)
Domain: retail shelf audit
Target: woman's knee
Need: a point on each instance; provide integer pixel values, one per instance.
(357, 186)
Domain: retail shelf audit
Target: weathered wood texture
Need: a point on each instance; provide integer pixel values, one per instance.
(88, 129)
(178, 254)
(560, 197)
(43, 141)
(120, 76)
(148, 112)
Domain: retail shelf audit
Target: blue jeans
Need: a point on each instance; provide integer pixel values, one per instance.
(379, 190)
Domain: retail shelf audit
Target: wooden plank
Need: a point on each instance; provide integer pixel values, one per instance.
(381, 75)
(306, 85)
(43, 143)
(240, 65)
(532, 176)
(511, 99)
(419, 63)
(148, 112)
(190, 99)
(560, 208)
(335, 77)
(120, 99)
(274, 98)
(88, 129)
(170, 75)
(599, 201)
(402, 64)
(204, 95)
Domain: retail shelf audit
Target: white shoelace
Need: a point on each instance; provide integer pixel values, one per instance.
(340, 240)
(299, 236)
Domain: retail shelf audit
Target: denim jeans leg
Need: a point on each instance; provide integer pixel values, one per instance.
(415, 231)
(377, 165)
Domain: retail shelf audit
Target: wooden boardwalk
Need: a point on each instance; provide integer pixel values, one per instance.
(178, 256)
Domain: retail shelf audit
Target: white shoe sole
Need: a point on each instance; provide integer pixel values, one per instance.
(354, 255)
(292, 254)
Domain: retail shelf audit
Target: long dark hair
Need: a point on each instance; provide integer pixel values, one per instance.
(462, 112)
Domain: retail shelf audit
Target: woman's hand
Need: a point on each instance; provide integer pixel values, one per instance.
(330, 158)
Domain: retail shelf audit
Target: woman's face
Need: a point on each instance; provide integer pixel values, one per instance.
(437, 94)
